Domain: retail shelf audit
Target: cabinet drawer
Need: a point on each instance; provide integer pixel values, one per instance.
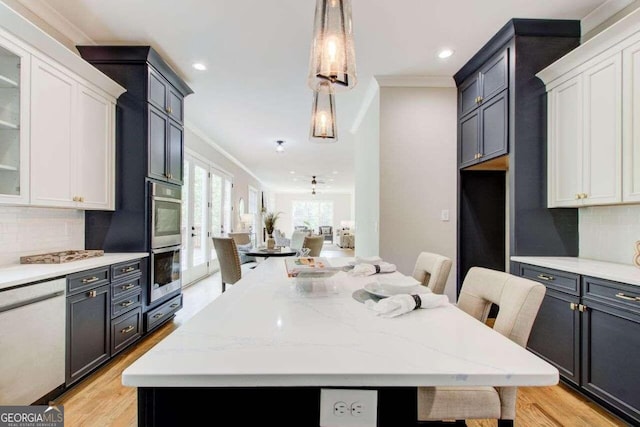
(125, 330)
(125, 303)
(129, 284)
(158, 315)
(125, 269)
(85, 280)
(553, 279)
(614, 293)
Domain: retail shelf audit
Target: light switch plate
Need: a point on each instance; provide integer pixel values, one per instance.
(348, 407)
(444, 215)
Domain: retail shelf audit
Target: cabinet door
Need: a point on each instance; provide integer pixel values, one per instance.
(15, 77)
(602, 141)
(157, 90)
(52, 163)
(469, 136)
(157, 144)
(175, 105)
(631, 123)
(468, 93)
(175, 152)
(494, 121)
(610, 363)
(555, 335)
(95, 150)
(565, 144)
(494, 77)
(88, 332)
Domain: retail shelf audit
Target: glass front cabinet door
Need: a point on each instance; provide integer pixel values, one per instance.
(14, 127)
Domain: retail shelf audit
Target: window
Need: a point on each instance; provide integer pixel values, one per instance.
(312, 213)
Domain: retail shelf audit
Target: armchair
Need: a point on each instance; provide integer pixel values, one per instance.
(327, 232)
(281, 240)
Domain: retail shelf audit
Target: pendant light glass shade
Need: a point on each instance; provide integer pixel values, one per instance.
(332, 52)
(323, 114)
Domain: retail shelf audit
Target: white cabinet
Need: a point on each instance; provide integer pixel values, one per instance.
(631, 127)
(585, 136)
(72, 142)
(14, 123)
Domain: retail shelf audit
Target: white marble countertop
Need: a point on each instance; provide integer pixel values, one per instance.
(263, 332)
(587, 267)
(20, 274)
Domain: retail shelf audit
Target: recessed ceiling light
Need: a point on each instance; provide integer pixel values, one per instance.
(292, 172)
(331, 180)
(199, 66)
(335, 172)
(445, 53)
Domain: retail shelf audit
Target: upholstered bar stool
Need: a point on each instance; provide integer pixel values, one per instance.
(229, 260)
(432, 270)
(314, 244)
(519, 300)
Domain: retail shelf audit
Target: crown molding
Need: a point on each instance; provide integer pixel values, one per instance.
(197, 131)
(45, 11)
(600, 14)
(415, 81)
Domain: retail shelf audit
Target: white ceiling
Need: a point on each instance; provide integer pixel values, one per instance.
(254, 91)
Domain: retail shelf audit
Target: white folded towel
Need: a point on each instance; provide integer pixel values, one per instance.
(370, 269)
(401, 304)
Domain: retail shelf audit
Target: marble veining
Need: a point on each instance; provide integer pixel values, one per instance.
(587, 267)
(25, 273)
(264, 332)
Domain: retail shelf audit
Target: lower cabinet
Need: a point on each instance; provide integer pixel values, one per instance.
(88, 331)
(592, 338)
(125, 330)
(159, 315)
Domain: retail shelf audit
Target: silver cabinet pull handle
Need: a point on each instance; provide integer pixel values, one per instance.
(127, 330)
(545, 277)
(627, 297)
(90, 279)
(174, 305)
(127, 270)
(127, 287)
(126, 303)
(92, 294)
(159, 315)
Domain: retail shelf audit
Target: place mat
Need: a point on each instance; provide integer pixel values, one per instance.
(361, 295)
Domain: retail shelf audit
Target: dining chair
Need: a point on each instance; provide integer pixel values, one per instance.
(229, 260)
(314, 244)
(518, 300)
(297, 240)
(432, 271)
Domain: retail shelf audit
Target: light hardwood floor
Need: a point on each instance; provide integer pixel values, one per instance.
(101, 400)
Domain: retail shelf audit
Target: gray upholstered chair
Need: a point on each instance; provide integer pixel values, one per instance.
(281, 239)
(432, 270)
(519, 300)
(297, 240)
(326, 231)
(229, 260)
(314, 244)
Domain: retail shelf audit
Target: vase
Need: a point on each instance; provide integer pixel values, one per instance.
(271, 242)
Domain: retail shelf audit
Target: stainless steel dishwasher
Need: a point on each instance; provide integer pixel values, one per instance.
(32, 341)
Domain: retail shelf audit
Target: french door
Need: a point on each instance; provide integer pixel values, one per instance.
(206, 212)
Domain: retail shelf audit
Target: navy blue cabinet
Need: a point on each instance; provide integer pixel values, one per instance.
(589, 329)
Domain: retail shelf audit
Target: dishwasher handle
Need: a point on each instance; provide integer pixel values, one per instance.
(30, 301)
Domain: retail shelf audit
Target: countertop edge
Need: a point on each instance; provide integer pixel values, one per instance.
(622, 273)
(21, 274)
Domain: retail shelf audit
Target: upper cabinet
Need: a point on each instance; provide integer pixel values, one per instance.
(482, 104)
(593, 124)
(57, 121)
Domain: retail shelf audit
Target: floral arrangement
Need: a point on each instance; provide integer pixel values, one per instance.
(270, 221)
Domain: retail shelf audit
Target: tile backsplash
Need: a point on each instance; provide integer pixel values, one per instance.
(609, 233)
(29, 230)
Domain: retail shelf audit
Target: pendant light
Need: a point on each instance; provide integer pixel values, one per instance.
(323, 114)
(279, 146)
(332, 51)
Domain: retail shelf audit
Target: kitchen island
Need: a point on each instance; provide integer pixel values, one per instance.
(262, 352)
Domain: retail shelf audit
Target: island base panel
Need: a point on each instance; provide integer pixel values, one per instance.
(281, 406)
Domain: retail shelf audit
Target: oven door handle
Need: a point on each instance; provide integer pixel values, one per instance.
(167, 199)
(169, 249)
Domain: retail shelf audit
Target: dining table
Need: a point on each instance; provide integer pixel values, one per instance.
(266, 350)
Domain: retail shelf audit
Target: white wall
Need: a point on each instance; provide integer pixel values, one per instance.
(241, 178)
(609, 233)
(341, 208)
(30, 231)
(367, 182)
(417, 175)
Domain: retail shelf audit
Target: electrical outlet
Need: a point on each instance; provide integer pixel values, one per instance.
(348, 407)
